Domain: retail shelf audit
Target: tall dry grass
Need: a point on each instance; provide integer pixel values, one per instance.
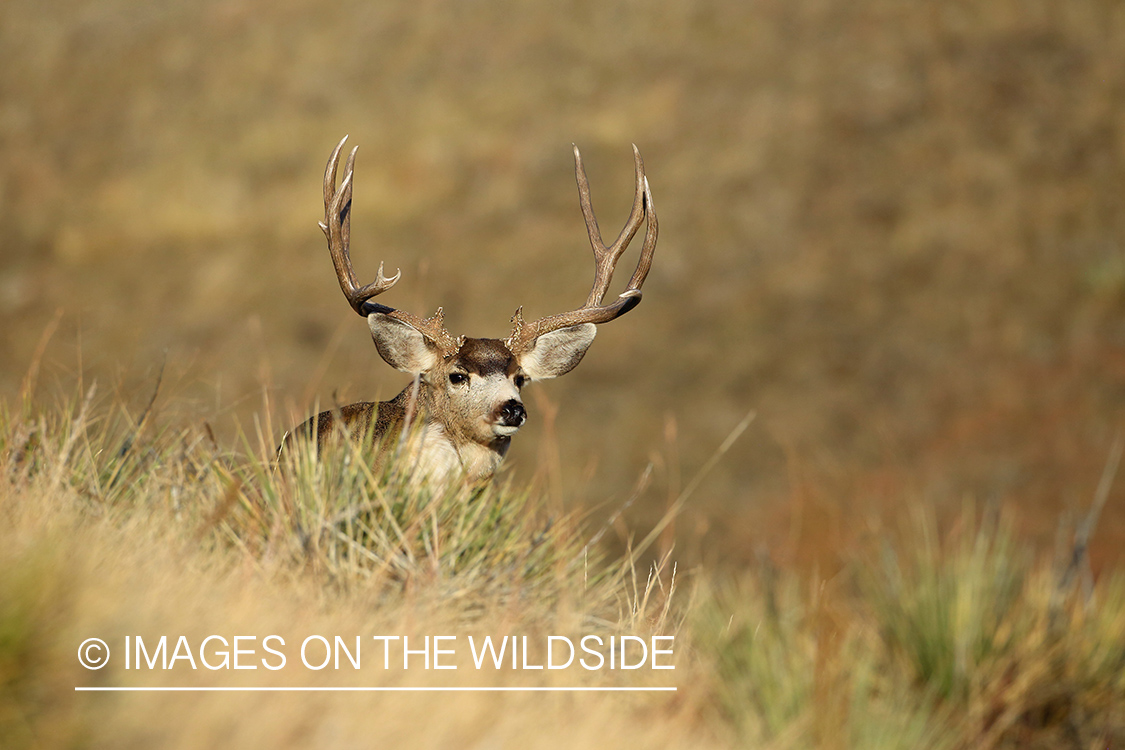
(118, 523)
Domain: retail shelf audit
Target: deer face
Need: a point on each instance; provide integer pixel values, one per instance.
(476, 390)
(479, 389)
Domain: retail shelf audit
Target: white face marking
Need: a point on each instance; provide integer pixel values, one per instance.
(477, 401)
(437, 460)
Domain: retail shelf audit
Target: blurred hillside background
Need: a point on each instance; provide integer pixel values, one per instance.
(896, 230)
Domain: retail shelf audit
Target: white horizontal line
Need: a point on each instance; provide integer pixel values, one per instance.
(185, 689)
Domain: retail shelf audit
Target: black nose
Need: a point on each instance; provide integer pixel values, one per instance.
(512, 413)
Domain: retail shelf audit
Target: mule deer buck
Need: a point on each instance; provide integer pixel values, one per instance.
(465, 397)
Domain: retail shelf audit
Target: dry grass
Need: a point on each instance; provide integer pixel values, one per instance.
(114, 525)
(961, 642)
(113, 532)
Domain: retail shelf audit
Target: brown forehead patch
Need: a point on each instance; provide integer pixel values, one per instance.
(486, 357)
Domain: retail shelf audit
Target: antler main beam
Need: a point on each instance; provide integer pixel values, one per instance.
(337, 226)
(524, 334)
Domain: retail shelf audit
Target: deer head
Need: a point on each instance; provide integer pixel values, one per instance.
(469, 388)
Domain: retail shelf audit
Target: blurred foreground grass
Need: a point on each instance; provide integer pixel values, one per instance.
(112, 523)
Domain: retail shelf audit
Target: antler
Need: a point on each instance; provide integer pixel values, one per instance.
(524, 334)
(337, 226)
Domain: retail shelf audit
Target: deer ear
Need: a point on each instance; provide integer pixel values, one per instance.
(400, 345)
(558, 352)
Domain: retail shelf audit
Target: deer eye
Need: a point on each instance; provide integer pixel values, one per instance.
(457, 378)
(520, 381)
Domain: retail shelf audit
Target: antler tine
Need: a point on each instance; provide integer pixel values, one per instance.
(605, 260)
(337, 228)
(648, 249)
(330, 176)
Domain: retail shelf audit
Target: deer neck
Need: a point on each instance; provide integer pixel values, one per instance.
(445, 450)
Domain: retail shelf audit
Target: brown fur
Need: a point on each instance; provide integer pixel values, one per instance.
(378, 424)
